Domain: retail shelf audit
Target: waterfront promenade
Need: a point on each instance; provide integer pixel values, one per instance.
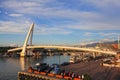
(95, 70)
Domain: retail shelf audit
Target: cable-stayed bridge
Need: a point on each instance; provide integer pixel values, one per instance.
(30, 34)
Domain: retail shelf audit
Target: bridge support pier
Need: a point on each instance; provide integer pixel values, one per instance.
(22, 54)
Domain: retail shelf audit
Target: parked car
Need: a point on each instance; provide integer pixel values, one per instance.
(49, 69)
(65, 63)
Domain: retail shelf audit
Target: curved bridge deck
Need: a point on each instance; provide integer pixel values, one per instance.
(67, 48)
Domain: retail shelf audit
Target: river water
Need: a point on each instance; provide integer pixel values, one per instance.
(9, 67)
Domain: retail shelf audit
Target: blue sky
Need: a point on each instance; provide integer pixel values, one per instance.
(59, 22)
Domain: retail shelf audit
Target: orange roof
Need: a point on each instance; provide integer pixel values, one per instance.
(115, 46)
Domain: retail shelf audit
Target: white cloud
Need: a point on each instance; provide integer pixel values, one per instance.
(13, 27)
(109, 34)
(44, 30)
(86, 20)
(15, 15)
(22, 27)
(93, 25)
(13, 45)
(41, 8)
(103, 3)
(106, 40)
(88, 34)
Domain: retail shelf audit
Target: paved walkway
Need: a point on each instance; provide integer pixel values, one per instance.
(94, 69)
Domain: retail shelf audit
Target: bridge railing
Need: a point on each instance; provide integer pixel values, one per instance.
(67, 47)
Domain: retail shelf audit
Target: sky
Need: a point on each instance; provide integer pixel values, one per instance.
(59, 22)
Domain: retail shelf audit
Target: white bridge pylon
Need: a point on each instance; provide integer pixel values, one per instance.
(30, 34)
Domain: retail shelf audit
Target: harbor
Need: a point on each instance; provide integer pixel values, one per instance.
(10, 66)
(96, 71)
(59, 40)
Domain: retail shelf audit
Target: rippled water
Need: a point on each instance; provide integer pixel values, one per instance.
(9, 67)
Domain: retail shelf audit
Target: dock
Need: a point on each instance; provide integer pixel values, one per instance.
(43, 76)
(32, 76)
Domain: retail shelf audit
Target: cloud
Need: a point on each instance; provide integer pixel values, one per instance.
(46, 30)
(109, 34)
(80, 19)
(41, 8)
(13, 45)
(16, 27)
(88, 34)
(106, 40)
(13, 27)
(94, 26)
(102, 4)
(15, 15)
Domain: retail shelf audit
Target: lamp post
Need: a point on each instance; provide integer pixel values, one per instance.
(118, 43)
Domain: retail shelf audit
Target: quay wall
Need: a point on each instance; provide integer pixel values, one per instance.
(30, 76)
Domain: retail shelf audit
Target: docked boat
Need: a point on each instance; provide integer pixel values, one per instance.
(75, 59)
(55, 73)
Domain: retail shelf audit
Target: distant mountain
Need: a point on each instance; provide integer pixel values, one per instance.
(95, 44)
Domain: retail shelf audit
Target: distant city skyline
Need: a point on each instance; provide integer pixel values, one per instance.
(59, 22)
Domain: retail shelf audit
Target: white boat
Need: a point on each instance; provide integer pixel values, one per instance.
(74, 59)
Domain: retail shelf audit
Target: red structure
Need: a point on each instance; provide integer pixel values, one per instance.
(115, 46)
